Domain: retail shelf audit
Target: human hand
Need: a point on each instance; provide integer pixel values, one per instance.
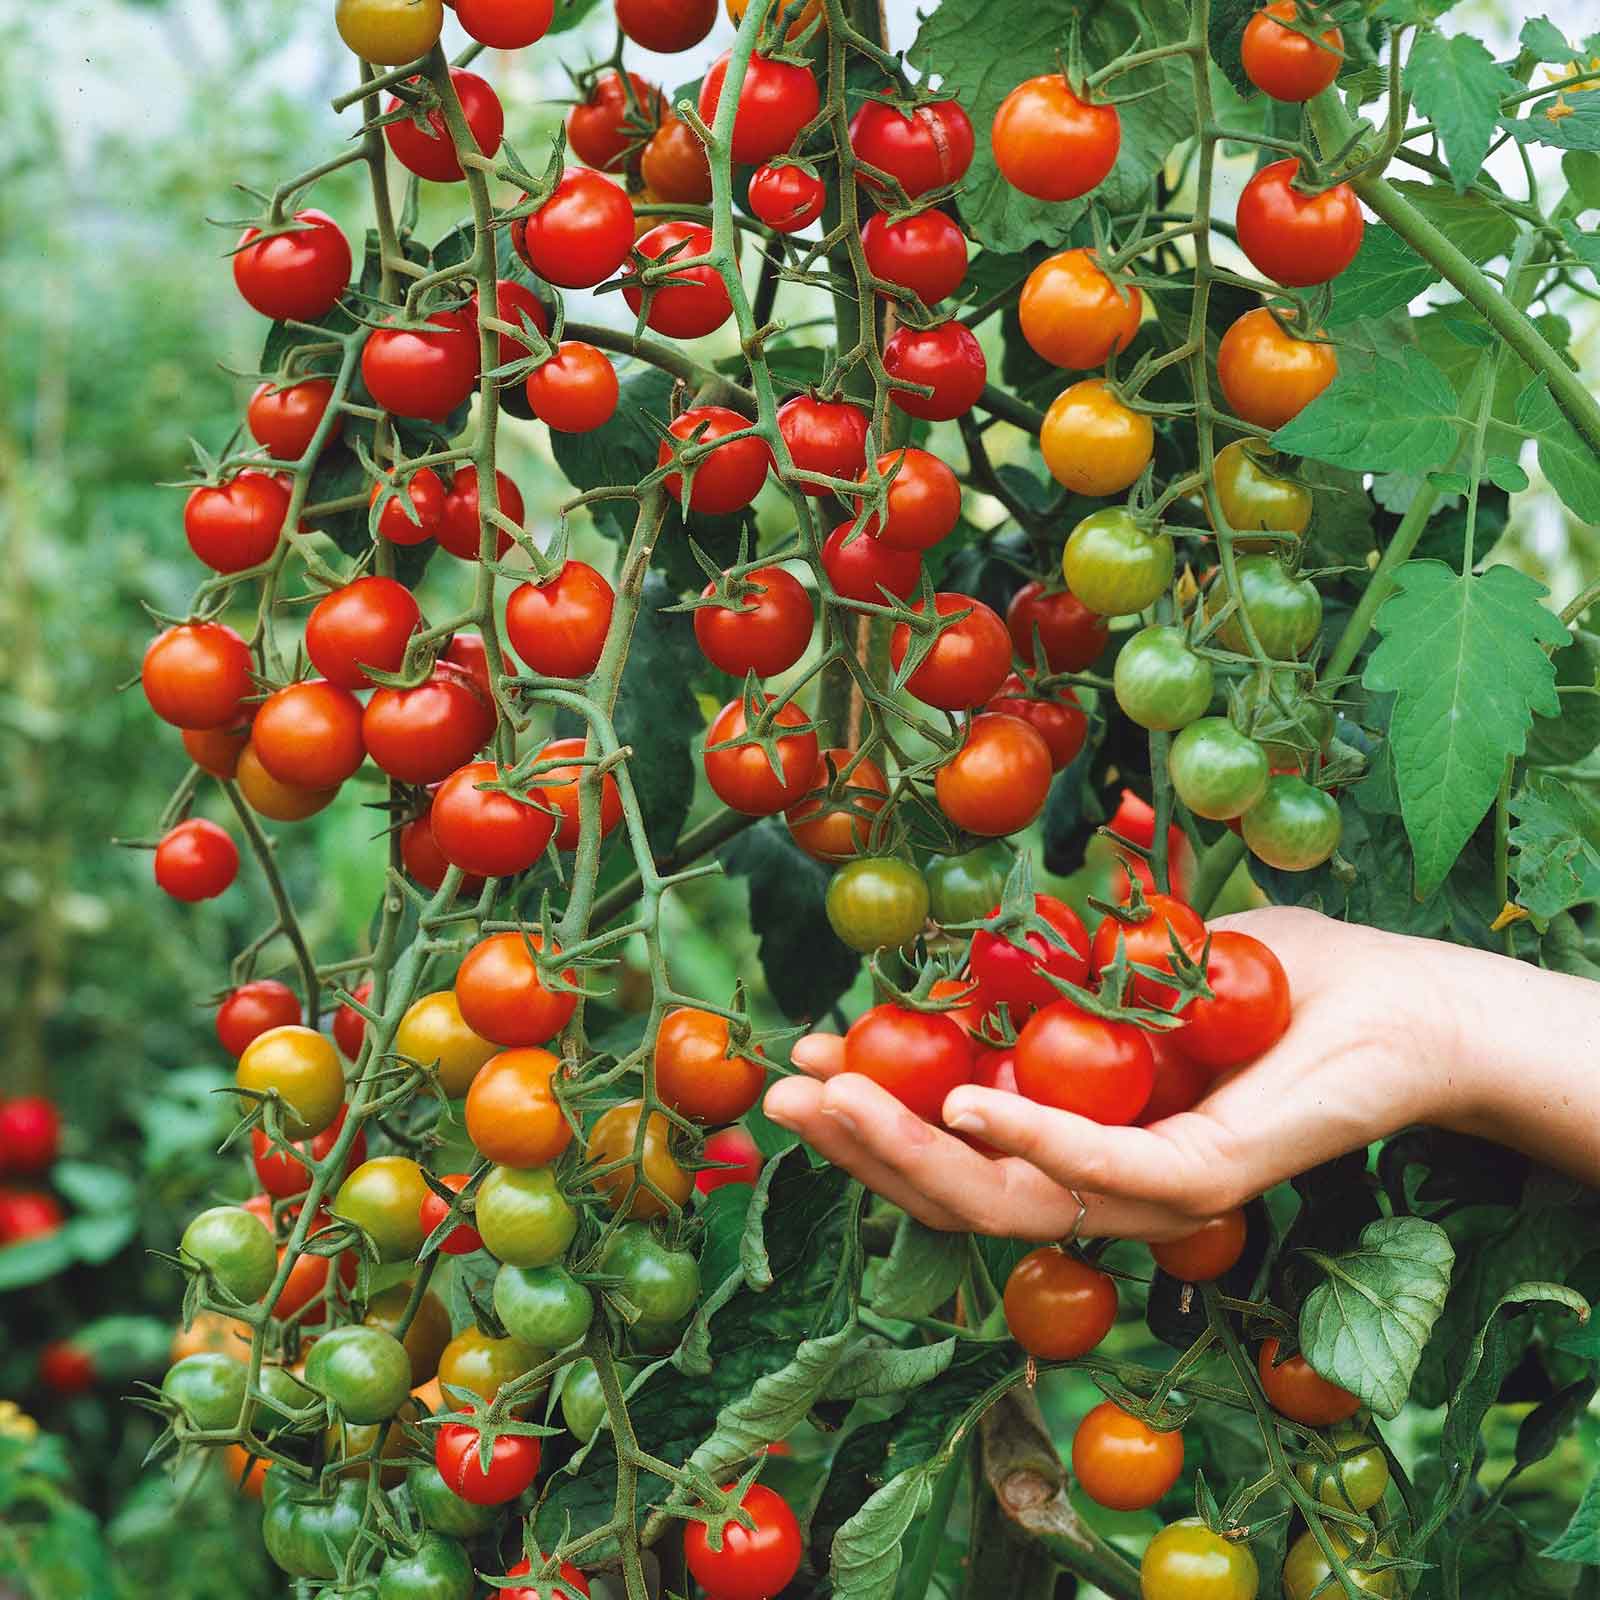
(1383, 1035)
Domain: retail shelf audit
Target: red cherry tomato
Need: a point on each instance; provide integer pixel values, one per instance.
(281, 1175)
(429, 150)
(860, 566)
(457, 530)
(1148, 944)
(1300, 1393)
(1058, 1307)
(248, 1011)
(1181, 1084)
(738, 1150)
(367, 623)
(66, 1368)
(235, 525)
(617, 114)
(462, 1239)
(299, 274)
(1284, 64)
(1121, 1462)
(197, 676)
(995, 1069)
(487, 832)
(924, 503)
(730, 476)
(828, 437)
(421, 735)
(349, 1026)
(425, 864)
(517, 304)
(666, 26)
(752, 1564)
(216, 750)
(196, 861)
(925, 254)
(27, 1214)
(559, 787)
(968, 661)
(1055, 717)
(1293, 238)
(765, 633)
(742, 776)
(786, 198)
(571, 1578)
(674, 165)
(576, 390)
(776, 100)
(308, 735)
(999, 779)
(1250, 1012)
(559, 627)
(1072, 635)
(948, 359)
(1050, 144)
(930, 149)
(422, 372)
(918, 1056)
(286, 420)
(1205, 1254)
(696, 302)
(1076, 1062)
(831, 824)
(1013, 974)
(506, 24)
(582, 234)
(30, 1134)
(423, 493)
(513, 1464)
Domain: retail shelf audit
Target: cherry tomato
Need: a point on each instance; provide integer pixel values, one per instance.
(964, 888)
(918, 1056)
(301, 1068)
(698, 1074)
(1251, 1009)
(30, 1133)
(615, 1137)
(545, 1307)
(617, 114)
(786, 198)
(876, 902)
(414, 511)
(1216, 771)
(1013, 974)
(282, 1176)
(66, 1368)
(513, 1464)
(1159, 682)
(506, 24)
(1293, 238)
(1267, 375)
(731, 475)
(828, 437)
(674, 165)
(1285, 64)
(739, 1151)
(197, 676)
(1181, 1084)
(367, 623)
(295, 275)
(804, 14)
(462, 1239)
(1081, 1063)
(435, 1034)
(742, 776)
(559, 627)
(1254, 499)
(1297, 1392)
(932, 148)
(248, 1011)
(1121, 1462)
(1354, 1481)
(422, 735)
(1071, 634)
(1093, 444)
(389, 33)
(572, 1583)
(925, 253)
(924, 501)
(765, 630)
(1285, 610)
(576, 390)
(776, 100)
(834, 822)
(1294, 826)
(1307, 1572)
(666, 26)
(517, 304)
(1114, 565)
(269, 797)
(457, 528)
(1073, 315)
(487, 831)
(349, 1026)
(308, 735)
(968, 661)
(752, 1564)
(1148, 943)
(948, 359)
(235, 525)
(696, 301)
(1205, 1254)
(425, 371)
(235, 1248)
(1187, 1561)
(582, 234)
(383, 1197)
(1057, 1306)
(502, 997)
(1050, 144)
(999, 779)
(28, 1214)
(216, 750)
(196, 860)
(421, 858)
(286, 420)
(860, 565)
(429, 151)
(560, 785)
(1056, 717)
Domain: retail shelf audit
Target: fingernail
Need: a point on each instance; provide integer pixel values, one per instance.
(844, 1120)
(779, 1117)
(964, 1121)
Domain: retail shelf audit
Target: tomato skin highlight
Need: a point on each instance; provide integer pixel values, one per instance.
(1121, 1462)
(999, 779)
(1058, 1307)
(1050, 144)
(1080, 1063)
(918, 1056)
(196, 860)
(1073, 316)
(1251, 1010)
(297, 275)
(1297, 239)
(751, 1565)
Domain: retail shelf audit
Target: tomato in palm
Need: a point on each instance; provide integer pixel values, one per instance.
(1284, 610)
(281, 1176)
(30, 1133)
(1077, 1062)
(235, 525)
(834, 821)
(666, 26)
(696, 301)
(302, 1069)
(581, 234)
(1013, 973)
(196, 860)
(367, 623)
(425, 371)
(421, 735)
(674, 166)
(765, 628)
(1073, 315)
(968, 660)
(617, 113)
(576, 390)
(571, 1583)
(924, 501)
(931, 148)
(506, 24)
(1187, 1561)
(383, 1197)
(614, 1138)
(517, 304)
(501, 996)
(729, 476)
(876, 902)
(1056, 717)
(753, 1564)
(1253, 499)
(1250, 1011)
(918, 1056)
(1114, 565)
(1284, 64)
(1093, 444)
(947, 359)
(1050, 144)
(1301, 1394)
(1147, 942)
(1181, 1084)
(999, 779)
(739, 1152)
(560, 786)
(776, 100)
(786, 198)
(698, 1072)
(1070, 634)
(428, 150)
(216, 750)
(413, 507)
(1121, 1462)
(925, 253)
(1354, 1481)
(512, 1114)
(1205, 1254)
(513, 1464)
(1294, 826)
(1159, 682)
(389, 33)
(1057, 1306)
(1267, 375)
(434, 1034)
(828, 437)
(741, 776)
(457, 530)
(1297, 239)
(196, 675)
(298, 274)
(559, 627)
(463, 1238)
(860, 565)
(487, 831)
(308, 735)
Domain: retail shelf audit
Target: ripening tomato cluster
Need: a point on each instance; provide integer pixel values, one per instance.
(30, 1140)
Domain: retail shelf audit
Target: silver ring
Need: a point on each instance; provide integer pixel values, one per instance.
(1077, 1222)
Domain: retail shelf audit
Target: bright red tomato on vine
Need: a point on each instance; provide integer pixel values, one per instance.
(946, 359)
(295, 275)
(860, 565)
(196, 860)
(696, 301)
(741, 776)
(429, 150)
(506, 24)
(576, 390)
(787, 198)
(1056, 717)
(425, 371)
(931, 148)
(753, 1564)
(765, 628)
(196, 675)
(457, 529)
(422, 735)
(581, 234)
(616, 113)
(559, 627)
(1014, 969)
(998, 781)
(1295, 238)
(487, 831)
(776, 100)
(235, 525)
(968, 660)
(1284, 64)
(828, 437)
(925, 254)
(729, 476)
(1050, 144)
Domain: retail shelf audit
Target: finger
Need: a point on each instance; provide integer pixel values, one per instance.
(820, 1054)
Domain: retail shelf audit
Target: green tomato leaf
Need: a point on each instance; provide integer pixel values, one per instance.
(1568, 123)
(877, 1368)
(1544, 40)
(1476, 226)
(923, 1270)
(1458, 85)
(1561, 740)
(1465, 657)
(1226, 29)
(866, 1550)
(1579, 1541)
(1585, 246)
(1386, 416)
(1365, 1328)
(1385, 275)
(1565, 457)
(1556, 866)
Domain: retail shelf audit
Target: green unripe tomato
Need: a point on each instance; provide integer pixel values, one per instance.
(364, 1371)
(1113, 566)
(1293, 826)
(1286, 611)
(1218, 772)
(583, 1401)
(308, 1537)
(438, 1569)
(876, 901)
(967, 887)
(236, 1248)
(1306, 1570)
(543, 1306)
(1187, 1561)
(383, 1197)
(1355, 1482)
(285, 1395)
(523, 1217)
(1159, 682)
(663, 1284)
(1289, 724)
(209, 1388)
(441, 1508)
